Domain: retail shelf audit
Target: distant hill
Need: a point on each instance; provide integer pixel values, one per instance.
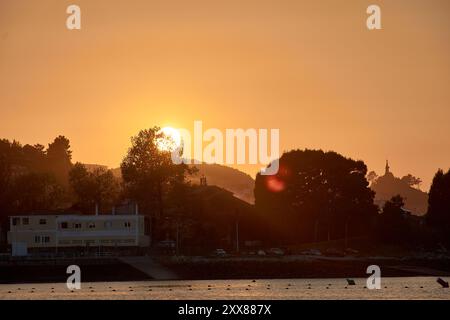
(388, 185)
(233, 180)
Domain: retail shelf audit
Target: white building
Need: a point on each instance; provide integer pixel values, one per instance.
(53, 233)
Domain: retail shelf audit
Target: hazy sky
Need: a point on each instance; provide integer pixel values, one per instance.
(309, 68)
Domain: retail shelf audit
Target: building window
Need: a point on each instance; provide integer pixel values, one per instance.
(91, 225)
(42, 221)
(15, 221)
(25, 221)
(64, 225)
(127, 224)
(77, 225)
(37, 239)
(46, 239)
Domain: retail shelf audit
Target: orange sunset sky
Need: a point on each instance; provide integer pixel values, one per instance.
(310, 68)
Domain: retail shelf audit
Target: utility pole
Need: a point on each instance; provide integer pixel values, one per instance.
(346, 234)
(237, 235)
(316, 230)
(178, 238)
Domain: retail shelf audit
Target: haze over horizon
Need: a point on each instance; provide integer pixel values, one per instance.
(309, 68)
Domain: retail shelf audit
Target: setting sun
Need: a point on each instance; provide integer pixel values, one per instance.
(170, 139)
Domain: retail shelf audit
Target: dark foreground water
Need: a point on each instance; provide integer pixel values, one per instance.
(391, 288)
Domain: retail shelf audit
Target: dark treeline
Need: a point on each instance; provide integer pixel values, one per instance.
(33, 177)
(315, 196)
(322, 196)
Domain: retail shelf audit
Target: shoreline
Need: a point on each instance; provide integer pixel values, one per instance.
(200, 268)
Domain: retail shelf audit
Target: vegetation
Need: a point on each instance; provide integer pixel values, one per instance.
(438, 215)
(315, 196)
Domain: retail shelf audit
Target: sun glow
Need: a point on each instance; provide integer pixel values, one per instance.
(169, 139)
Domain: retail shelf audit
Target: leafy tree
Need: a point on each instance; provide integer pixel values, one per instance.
(315, 195)
(37, 191)
(149, 173)
(438, 214)
(372, 176)
(393, 222)
(412, 181)
(98, 187)
(59, 157)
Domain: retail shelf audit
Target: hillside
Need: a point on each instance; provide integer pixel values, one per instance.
(238, 182)
(388, 185)
(233, 180)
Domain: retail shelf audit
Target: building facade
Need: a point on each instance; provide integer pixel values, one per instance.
(77, 233)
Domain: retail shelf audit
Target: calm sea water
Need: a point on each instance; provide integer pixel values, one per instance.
(391, 288)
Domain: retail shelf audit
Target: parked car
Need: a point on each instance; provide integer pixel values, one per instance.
(276, 252)
(166, 244)
(332, 252)
(219, 253)
(312, 252)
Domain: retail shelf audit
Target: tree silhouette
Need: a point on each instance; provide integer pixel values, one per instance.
(37, 191)
(148, 173)
(315, 195)
(438, 214)
(372, 176)
(59, 158)
(98, 187)
(393, 223)
(412, 181)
